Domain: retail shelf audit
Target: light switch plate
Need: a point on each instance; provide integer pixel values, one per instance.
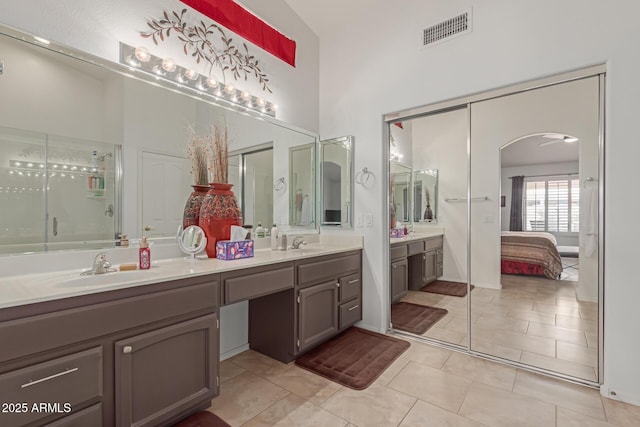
(369, 220)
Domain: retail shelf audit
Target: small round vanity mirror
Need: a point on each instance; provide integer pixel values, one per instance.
(191, 240)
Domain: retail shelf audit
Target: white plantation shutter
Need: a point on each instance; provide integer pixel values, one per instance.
(552, 204)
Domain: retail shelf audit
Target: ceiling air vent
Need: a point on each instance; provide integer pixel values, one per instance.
(446, 30)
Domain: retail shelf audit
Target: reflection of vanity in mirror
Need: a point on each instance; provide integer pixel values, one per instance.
(57, 194)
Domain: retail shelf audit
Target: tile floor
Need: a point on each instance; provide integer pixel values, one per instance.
(533, 320)
(425, 386)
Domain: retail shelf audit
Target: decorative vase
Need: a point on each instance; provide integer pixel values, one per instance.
(218, 212)
(191, 215)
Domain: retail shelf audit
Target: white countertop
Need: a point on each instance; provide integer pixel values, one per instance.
(422, 234)
(33, 288)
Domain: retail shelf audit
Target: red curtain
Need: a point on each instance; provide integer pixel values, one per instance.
(242, 22)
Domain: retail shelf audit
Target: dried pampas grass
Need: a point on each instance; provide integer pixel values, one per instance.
(209, 154)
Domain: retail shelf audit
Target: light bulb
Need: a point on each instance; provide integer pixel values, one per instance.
(29, 165)
(229, 88)
(260, 102)
(246, 95)
(190, 74)
(142, 54)
(169, 65)
(211, 82)
(17, 163)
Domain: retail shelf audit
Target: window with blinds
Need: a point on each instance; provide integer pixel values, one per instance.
(552, 204)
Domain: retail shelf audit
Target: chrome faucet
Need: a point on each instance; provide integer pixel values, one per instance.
(297, 242)
(100, 265)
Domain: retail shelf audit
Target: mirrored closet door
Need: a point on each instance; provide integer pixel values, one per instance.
(534, 240)
(504, 245)
(428, 198)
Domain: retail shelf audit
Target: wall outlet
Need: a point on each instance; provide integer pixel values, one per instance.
(369, 220)
(359, 220)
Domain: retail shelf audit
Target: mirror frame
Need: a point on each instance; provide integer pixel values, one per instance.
(350, 140)
(193, 93)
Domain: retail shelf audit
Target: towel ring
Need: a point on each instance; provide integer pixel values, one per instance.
(588, 179)
(363, 176)
(280, 184)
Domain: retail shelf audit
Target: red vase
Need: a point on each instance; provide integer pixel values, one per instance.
(191, 215)
(219, 211)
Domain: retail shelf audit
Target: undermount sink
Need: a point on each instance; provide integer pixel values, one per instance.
(103, 279)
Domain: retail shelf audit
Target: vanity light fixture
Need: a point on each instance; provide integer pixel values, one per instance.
(166, 69)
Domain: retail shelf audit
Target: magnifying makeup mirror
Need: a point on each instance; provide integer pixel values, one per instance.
(191, 240)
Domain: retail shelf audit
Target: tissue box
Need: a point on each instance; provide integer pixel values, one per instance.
(227, 249)
(397, 232)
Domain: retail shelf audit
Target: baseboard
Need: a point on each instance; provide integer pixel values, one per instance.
(585, 299)
(451, 279)
(237, 350)
(497, 286)
(621, 396)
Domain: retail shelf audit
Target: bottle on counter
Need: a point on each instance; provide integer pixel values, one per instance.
(260, 231)
(144, 254)
(274, 237)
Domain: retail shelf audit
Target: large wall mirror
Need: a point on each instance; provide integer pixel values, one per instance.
(108, 152)
(336, 179)
(520, 201)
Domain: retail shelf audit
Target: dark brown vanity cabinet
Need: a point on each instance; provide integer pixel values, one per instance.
(166, 371)
(326, 298)
(415, 264)
(140, 356)
(317, 314)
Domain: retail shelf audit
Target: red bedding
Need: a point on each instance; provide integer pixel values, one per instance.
(516, 267)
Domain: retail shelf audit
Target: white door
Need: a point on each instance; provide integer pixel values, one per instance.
(165, 188)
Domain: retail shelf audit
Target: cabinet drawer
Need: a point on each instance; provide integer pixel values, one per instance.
(350, 313)
(416, 247)
(78, 324)
(328, 268)
(350, 287)
(258, 284)
(433, 243)
(91, 416)
(398, 251)
(71, 379)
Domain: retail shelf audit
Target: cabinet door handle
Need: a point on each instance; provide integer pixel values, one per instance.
(127, 349)
(337, 284)
(353, 281)
(424, 257)
(50, 377)
(354, 307)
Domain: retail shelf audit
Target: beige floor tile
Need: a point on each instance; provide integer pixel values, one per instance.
(621, 414)
(446, 335)
(577, 354)
(245, 396)
(229, 370)
(555, 309)
(558, 365)
(533, 316)
(431, 385)
(424, 414)
(567, 302)
(374, 406)
(592, 339)
(458, 324)
(578, 324)
(305, 384)
(487, 347)
(500, 322)
(476, 369)
(311, 415)
(557, 333)
(276, 412)
(567, 418)
(571, 396)
(524, 342)
(427, 354)
(259, 364)
(498, 408)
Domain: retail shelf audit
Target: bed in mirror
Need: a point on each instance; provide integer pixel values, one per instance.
(138, 131)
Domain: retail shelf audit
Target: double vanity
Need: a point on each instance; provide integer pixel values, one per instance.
(142, 348)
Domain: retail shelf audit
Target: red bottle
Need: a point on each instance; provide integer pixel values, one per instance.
(144, 254)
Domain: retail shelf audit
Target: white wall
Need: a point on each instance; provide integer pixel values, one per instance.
(440, 142)
(512, 41)
(96, 27)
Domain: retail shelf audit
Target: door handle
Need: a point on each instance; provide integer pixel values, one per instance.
(147, 228)
(127, 349)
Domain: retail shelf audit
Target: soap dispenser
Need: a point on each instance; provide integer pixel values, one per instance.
(274, 237)
(145, 254)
